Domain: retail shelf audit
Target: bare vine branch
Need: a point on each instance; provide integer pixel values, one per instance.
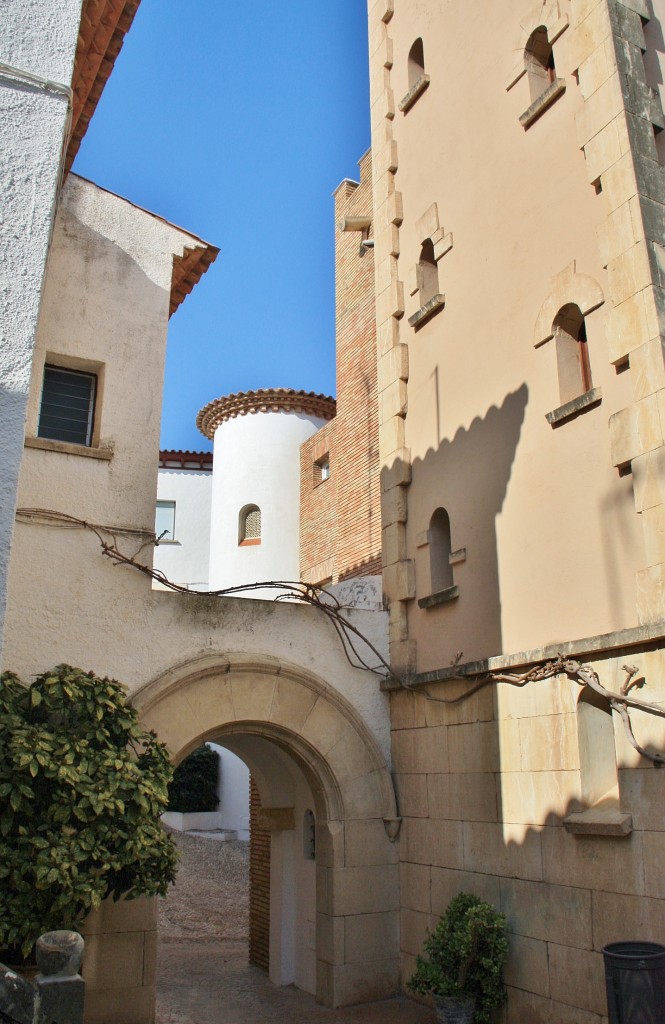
(351, 638)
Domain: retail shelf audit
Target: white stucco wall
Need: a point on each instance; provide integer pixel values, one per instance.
(184, 559)
(233, 792)
(38, 37)
(257, 461)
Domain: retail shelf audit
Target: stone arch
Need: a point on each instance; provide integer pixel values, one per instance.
(244, 696)
(566, 287)
(549, 15)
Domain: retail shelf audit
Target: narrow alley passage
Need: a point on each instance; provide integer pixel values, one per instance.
(202, 973)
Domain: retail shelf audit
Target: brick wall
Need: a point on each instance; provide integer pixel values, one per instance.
(340, 530)
(259, 884)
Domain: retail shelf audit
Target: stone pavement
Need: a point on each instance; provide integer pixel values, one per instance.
(211, 983)
(202, 972)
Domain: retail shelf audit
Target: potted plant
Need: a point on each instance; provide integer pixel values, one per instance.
(463, 963)
(82, 788)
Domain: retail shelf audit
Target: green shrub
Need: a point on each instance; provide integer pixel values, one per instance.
(465, 956)
(194, 786)
(82, 788)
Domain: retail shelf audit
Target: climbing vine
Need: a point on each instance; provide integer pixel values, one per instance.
(352, 639)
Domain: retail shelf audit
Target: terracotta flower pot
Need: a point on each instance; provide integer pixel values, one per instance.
(455, 1009)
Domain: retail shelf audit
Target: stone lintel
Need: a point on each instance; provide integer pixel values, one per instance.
(277, 819)
(412, 95)
(442, 597)
(601, 643)
(597, 821)
(574, 407)
(542, 102)
(429, 309)
(47, 444)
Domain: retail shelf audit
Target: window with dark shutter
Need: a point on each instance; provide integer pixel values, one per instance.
(67, 405)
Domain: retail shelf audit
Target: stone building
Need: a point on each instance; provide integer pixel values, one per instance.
(519, 230)
(516, 216)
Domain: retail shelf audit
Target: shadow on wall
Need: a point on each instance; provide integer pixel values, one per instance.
(565, 897)
(456, 565)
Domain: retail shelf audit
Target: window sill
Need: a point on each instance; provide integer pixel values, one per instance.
(171, 543)
(542, 102)
(443, 597)
(46, 444)
(573, 408)
(597, 821)
(249, 543)
(413, 93)
(429, 309)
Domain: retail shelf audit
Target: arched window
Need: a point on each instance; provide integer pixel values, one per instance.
(249, 525)
(539, 62)
(427, 273)
(595, 733)
(572, 353)
(416, 63)
(439, 551)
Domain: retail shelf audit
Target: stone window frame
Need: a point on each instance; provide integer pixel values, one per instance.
(92, 449)
(418, 79)
(433, 238)
(599, 777)
(568, 288)
(554, 23)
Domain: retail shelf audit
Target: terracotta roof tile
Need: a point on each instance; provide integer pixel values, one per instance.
(264, 400)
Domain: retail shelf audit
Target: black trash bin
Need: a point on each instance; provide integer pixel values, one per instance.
(635, 980)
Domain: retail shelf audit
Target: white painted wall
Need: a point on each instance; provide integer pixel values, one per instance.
(257, 461)
(233, 792)
(282, 784)
(185, 559)
(38, 37)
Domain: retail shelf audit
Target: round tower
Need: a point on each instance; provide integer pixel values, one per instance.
(255, 517)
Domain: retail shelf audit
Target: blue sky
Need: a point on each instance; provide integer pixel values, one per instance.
(237, 122)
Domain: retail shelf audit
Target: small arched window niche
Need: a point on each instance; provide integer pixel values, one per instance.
(566, 319)
(427, 285)
(441, 561)
(576, 391)
(599, 783)
(544, 86)
(249, 525)
(418, 80)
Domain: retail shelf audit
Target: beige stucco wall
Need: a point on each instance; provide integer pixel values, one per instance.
(530, 504)
(560, 528)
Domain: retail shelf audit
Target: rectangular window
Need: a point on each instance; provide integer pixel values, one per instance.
(322, 469)
(68, 405)
(165, 520)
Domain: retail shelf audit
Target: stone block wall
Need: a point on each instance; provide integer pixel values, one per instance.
(486, 788)
(119, 962)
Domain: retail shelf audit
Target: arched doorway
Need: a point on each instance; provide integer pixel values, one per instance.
(302, 741)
